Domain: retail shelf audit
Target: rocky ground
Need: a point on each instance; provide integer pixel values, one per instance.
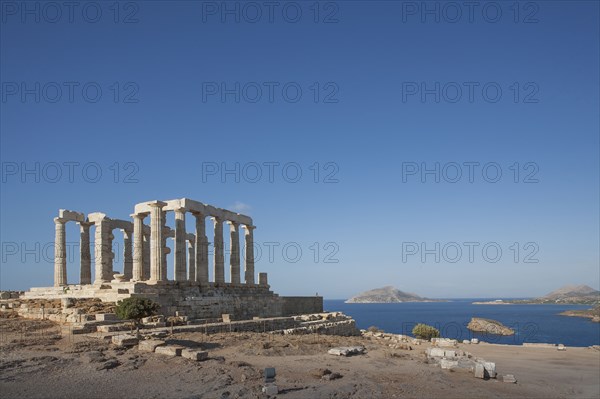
(36, 362)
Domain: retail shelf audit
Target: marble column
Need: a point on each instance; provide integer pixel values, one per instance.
(192, 260)
(157, 216)
(60, 252)
(85, 257)
(201, 249)
(146, 260)
(138, 246)
(127, 254)
(103, 251)
(234, 246)
(249, 265)
(219, 256)
(180, 246)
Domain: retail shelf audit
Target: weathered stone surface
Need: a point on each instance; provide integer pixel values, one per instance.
(169, 350)
(106, 317)
(474, 341)
(448, 364)
(490, 369)
(489, 326)
(466, 341)
(479, 371)
(124, 340)
(561, 347)
(149, 345)
(509, 378)
(331, 376)
(435, 352)
(444, 342)
(194, 354)
(270, 390)
(346, 350)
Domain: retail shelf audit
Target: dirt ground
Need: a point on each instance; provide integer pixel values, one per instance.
(36, 362)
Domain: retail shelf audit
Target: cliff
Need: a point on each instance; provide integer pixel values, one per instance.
(489, 326)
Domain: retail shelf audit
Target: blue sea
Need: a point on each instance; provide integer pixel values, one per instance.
(532, 323)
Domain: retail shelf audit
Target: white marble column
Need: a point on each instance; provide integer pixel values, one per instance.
(192, 260)
(138, 246)
(103, 251)
(219, 256)
(234, 257)
(146, 260)
(60, 252)
(85, 256)
(201, 249)
(249, 249)
(127, 254)
(180, 246)
(157, 268)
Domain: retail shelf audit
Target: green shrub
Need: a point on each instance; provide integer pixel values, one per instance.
(135, 309)
(424, 331)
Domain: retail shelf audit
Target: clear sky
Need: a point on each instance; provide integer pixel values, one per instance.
(317, 119)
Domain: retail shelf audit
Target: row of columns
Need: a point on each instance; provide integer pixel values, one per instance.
(145, 254)
(198, 265)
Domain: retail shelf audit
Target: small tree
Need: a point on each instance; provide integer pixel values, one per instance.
(424, 331)
(135, 309)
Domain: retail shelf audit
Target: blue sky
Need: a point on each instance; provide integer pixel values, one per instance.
(179, 100)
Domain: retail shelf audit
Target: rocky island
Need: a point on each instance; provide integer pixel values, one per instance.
(387, 294)
(489, 326)
(593, 314)
(569, 295)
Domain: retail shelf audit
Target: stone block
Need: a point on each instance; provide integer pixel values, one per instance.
(509, 378)
(346, 350)
(149, 345)
(449, 353)
(435, 352)
(490, 369)
(169, 350)
(561, 347)
(194, 354)
(270, 390)
(226, 318)
(124, 340)
(106, 317)
(448, 364)
(479, 371)
(466, 341)
(446, 342)
(474, 341)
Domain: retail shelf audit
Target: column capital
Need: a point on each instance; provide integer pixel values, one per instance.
(156, 204)
(249, 228)
(86, 224)
(58, 220)
(232, 223)
(140, 215)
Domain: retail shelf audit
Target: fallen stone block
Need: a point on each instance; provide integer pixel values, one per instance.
(449, 353)
(194, 354)
(124, 340)
(149, 345)
(466, 341)
(446, 342)
(435, 352)
(448, 364)
(474, 341)
(490, 369)
(561, 347)
(509, 378)
(270, 390)
(169, 350)
(346, 350)
(479, 371)
(113, 328)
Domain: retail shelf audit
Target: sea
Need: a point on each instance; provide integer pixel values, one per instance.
(532, 323)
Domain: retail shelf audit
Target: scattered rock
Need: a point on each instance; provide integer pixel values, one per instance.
(109, 364)
(331, 376)
(169, 350)
(319, 373)
(149, 345)
(194, 354)
(561, 347)
(509, 378)
(124, 340)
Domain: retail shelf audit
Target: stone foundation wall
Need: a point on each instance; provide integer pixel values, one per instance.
(294, 305)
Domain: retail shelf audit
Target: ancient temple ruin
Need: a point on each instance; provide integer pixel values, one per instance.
(145, 253)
